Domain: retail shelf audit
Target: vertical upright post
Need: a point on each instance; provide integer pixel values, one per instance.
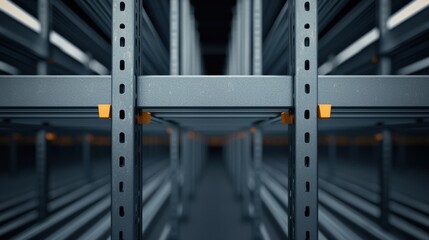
(200, 155)
(238, 164)
(246, 173)
(257, 134)
(44, 16)
(197, 159)
(184, 57)
(303, 209)
(192, 171)
(384, 175)
(257, 166)
(238, 37)
(185, 174)
(126, 166)
(42, 174)
(174, 165)
(246, 35)
(174, 37)
(231, 158)
(174, 135)
(228, 153)
(86, 156)
(205, 148)
(384, 10)
(191, 43)
(257, 37)
(225, 152)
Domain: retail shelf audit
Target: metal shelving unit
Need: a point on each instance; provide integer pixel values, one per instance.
(272, 72)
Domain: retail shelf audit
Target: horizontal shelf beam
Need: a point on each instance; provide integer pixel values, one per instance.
(374, 91)
(376, 96)
(214, 96)
(57, 93)
(215, 92)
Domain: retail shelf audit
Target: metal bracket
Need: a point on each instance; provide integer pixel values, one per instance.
(287, 117)
(105, 111)
(324, 111)
(144, 118)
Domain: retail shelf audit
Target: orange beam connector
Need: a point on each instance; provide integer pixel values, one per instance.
(252, 129)
(105, 111)
(144, 117)
(324, 111)
(378, 137)
(50, 136)
(287, 117)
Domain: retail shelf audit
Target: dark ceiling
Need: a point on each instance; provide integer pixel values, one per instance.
(214, 25)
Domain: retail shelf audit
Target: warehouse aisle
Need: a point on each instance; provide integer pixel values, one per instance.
(214, 212)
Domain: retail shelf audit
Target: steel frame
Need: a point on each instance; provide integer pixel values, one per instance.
(212, 96)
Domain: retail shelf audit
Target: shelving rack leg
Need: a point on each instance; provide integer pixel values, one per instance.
(385, 147)
(126, 206)
(42, 174)
(257, 168)
(385, 161)
(174, 197)
(45, 19)
(303, 187)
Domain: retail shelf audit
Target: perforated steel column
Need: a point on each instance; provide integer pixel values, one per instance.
(257, 135)
(246, 172)
(174, 37)
(385, 162)
(193, 170)
(257, 166)
(126, 167)
(44, 16)
(384, 11)
(184, 38)
(174, 134)
(185, 171)
(303, 133)
(42, 174)
(257, 37)
(384, 68)
(238, 164)
(174, 166)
